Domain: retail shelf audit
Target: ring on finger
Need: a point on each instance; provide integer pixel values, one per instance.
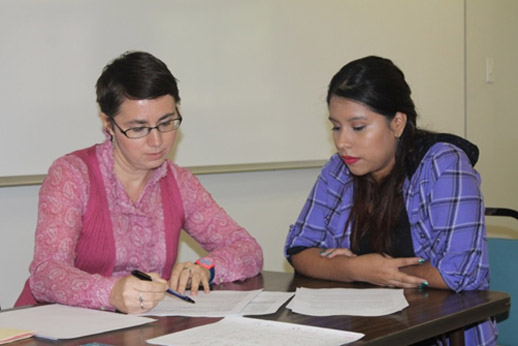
(141, 300)
(189, 269)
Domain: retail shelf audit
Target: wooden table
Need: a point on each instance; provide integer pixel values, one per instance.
(431, 313)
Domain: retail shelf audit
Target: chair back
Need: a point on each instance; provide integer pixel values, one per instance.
(503, 257)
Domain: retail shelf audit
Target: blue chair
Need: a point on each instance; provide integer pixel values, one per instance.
(503, 263)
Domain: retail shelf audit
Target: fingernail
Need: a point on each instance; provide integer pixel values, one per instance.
(423, 284)
(322, 252)
(421, 261)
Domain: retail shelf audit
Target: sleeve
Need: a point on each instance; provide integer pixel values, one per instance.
(312, 228)
(234, 252)
(62, 202)
(456, 211)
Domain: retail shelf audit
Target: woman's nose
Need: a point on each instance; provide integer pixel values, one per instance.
(343, 142)
(154, 138)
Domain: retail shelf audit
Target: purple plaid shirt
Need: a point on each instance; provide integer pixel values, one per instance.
(446, 214)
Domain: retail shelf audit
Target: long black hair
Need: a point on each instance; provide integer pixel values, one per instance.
(379, 85)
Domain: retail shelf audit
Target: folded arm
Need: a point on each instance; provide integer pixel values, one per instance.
(373, 268)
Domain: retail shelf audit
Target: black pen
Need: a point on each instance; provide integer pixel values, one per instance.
(143, 276)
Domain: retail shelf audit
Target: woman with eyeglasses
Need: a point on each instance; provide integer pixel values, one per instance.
(119, 206)
(396, 206)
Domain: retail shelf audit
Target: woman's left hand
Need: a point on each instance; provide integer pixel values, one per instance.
(189, 274)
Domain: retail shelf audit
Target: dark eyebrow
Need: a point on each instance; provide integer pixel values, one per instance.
(168, 115)
(143, 122)
(358, 117)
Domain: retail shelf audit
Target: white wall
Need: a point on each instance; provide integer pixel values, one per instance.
(492, 115)
(239, 62)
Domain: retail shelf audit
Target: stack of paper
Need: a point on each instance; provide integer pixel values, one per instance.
(10, 335)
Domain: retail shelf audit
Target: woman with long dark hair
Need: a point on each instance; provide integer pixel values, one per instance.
(396, 206)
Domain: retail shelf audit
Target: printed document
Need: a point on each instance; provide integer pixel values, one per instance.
(266, 302)
(234, 330)
(213, 304)
(348, 301)
(223, 303)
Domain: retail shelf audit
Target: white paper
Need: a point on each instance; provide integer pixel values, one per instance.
(218, 303)
(266, 302)
(245, 331)
(348, 301)
(66, 322)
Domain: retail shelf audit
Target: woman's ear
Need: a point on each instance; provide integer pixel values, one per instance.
(107, 124)
(398, 124)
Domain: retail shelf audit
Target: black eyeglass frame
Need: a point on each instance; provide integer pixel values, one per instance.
(150, 128)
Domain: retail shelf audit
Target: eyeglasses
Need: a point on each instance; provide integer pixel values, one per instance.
(143, 131)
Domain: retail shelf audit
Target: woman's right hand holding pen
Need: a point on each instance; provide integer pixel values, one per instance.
(133, 296)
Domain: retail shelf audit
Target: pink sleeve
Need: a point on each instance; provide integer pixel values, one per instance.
(236, 254)
(62, 203)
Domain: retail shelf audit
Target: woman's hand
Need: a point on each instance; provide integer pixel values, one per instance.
(189, 274)
(383, 270)
(134, 296)
(341, 264)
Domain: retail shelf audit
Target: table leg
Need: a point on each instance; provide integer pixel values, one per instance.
(457, 337)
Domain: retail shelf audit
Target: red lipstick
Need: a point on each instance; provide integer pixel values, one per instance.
(349, 160)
